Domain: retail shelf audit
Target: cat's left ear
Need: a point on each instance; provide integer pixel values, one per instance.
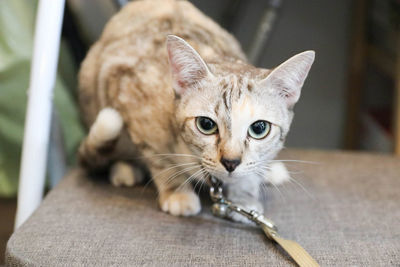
(187, 67)
(288, 78)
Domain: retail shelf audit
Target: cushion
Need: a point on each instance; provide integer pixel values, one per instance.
(343, 209)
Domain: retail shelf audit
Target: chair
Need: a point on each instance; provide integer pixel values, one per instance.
(349, 216)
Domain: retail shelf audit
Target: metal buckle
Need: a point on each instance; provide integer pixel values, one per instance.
(222, 207)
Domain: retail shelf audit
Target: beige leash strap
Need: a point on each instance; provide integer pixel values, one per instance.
(297, 252)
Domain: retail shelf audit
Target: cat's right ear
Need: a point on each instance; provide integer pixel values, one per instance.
(187, 67)
(287, 79)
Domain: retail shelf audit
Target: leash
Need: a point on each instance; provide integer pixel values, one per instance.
(223, 207)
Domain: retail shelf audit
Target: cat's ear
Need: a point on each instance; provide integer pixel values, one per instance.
(187, 67)
(288, 78)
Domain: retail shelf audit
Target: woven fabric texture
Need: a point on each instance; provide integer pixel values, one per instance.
(345, 213)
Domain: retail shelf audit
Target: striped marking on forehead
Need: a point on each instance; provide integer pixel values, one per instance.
(235, 87)
(232, 89)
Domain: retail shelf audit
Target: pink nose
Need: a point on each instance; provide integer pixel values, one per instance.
(230, 164)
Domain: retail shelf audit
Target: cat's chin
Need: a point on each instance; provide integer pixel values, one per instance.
(229, 178)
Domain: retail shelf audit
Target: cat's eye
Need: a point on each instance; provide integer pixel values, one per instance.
(259, 129)
(206, 125)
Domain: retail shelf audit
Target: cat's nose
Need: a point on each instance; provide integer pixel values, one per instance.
(230, 164)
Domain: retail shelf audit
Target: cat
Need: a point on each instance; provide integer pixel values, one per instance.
(168, 89)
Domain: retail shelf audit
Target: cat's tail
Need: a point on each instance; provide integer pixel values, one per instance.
(96, 150)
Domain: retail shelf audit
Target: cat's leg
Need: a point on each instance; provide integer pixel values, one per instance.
(125, 174)
(176, 195)
(96, 149)
(245, 193)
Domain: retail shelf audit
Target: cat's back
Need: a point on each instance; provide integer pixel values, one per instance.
(128, 67)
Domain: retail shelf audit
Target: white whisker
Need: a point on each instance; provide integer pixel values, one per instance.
(200, 179)
(189, 179)
(279, 191)
(204, 181)
(302, 187)
(163, 171)
(176, 174)
(175, 166)
(292, 160)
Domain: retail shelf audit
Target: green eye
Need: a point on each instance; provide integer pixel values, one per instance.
(206, 125)
(259, 129)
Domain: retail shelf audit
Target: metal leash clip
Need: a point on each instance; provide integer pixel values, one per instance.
(223, 207)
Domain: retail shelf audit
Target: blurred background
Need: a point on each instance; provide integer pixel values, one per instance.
(349, 101)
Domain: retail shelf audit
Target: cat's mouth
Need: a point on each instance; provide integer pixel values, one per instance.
(227, 177)
(223, 178)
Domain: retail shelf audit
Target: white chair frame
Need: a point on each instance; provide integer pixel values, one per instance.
(46, 45)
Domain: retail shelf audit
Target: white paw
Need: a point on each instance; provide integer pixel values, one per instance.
(107, 126)
(277, 174)
(123, 174)
(183, 203)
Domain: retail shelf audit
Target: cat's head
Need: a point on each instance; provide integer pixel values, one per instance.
(234, 116)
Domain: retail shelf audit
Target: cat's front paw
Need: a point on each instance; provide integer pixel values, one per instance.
(251, 205)
(180, 203)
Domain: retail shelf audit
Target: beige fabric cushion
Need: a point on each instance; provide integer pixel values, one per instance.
(351, 218)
